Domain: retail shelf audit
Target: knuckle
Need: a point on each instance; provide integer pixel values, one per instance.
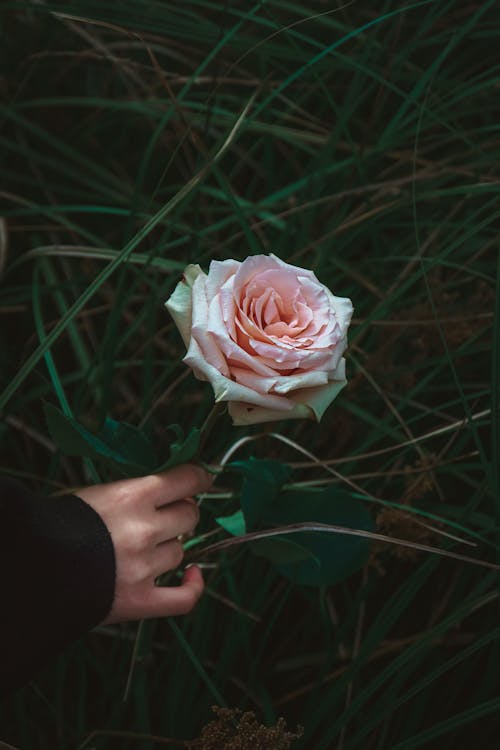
(124, 494)
(192, 514)
(150, 482)
(141, 536)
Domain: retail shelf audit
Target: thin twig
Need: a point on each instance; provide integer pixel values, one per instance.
(298, 528)
(325, 465)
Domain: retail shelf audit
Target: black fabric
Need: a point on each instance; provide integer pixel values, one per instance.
(57, 578)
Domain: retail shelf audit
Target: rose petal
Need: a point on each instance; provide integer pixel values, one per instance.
(226, 389)
(219, 272)
(288, 357)
(318, 399)
(279, 384)
(343, 311)
(219, 286)
(179, 303)
(231, 350)
(308, 403)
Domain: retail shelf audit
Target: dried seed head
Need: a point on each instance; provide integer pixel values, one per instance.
(234, 729)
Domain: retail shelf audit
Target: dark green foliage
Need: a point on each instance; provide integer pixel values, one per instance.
(370, 154)
(118, 443)
(332, 557)
(313, 558)
(262, 483)
(183, 450)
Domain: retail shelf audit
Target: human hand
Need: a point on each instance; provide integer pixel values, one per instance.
(144, 517)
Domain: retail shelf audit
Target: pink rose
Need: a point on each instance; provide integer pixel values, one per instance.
(268, 336)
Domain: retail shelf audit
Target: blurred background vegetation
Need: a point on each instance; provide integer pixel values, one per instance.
(370, 152)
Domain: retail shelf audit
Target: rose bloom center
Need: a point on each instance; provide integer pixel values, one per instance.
(275, 309)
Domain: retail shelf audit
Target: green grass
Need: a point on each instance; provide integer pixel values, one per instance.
(361, 142)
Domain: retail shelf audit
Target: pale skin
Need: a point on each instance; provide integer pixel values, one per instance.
(145, 517)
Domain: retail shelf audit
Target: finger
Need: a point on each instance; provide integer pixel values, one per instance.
(177, 600)
(176, 484)
(166, 556)
(180, 517)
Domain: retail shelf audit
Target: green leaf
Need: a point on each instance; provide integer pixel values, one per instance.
(182, 451)
(311, 558)
(129, 442)
(234, 524)
(281, 551)
(263, 480)
(117, 441)
(338, 555)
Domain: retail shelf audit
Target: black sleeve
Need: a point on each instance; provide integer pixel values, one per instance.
(57, 578)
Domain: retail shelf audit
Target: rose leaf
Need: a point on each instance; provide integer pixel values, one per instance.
(116, 442)
(262, 482)
(282, 551)
(130, 442)
(339, 555)
(183, 450)
(234, 524)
